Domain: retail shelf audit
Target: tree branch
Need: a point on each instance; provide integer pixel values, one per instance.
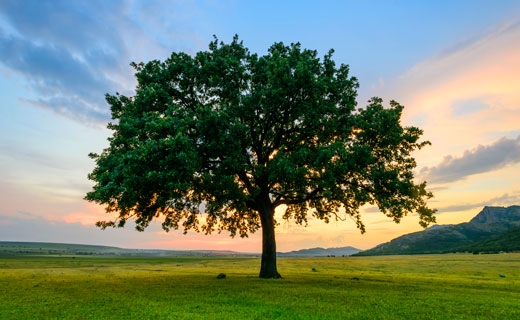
(313, 195)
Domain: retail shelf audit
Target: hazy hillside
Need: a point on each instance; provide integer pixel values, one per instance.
(320, 252)
(489, 223)
(44, 248)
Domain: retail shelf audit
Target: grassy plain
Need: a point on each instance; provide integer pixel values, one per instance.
(451, 286)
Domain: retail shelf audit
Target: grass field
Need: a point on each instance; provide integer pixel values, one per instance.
(452, 286)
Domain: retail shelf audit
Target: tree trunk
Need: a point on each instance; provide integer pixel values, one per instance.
(268, 266)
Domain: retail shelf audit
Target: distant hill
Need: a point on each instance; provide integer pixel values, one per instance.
(491, 222)
(50, 248)
(438, 226)
(46, 248)
(320, 252)
(507, 242)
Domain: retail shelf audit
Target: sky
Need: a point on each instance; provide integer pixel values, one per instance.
(454, 65)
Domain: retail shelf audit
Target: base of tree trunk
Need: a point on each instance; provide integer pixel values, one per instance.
(268, 269)
(266, 275)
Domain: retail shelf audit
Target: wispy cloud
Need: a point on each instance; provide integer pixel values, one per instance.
(67, 85)
(27, 214)
(503, 200)
(63, 50)
(477, 160)
(474, 48)
(72, 53)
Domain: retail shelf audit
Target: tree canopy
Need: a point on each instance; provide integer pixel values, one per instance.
(218, 140)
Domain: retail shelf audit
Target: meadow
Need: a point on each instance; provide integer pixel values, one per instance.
(449, 286)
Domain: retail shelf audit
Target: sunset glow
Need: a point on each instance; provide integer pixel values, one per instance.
(459, 82)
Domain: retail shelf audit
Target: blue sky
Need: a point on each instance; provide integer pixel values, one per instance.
(452, 63)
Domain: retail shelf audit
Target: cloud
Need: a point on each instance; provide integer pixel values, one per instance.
(75, 25)
(477, 48)
(64, 50)
(71, 53)
(464, 107)
(26, 214)
(503, 200)
(51, 67)
(477, 160)
(15, 153)
(74, 107)
(88, 216)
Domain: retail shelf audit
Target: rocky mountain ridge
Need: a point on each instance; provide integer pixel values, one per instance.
(488, 223)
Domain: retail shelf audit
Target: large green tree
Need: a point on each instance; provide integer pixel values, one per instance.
(226, 136)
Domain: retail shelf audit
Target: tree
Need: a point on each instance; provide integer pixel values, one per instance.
(227, 136)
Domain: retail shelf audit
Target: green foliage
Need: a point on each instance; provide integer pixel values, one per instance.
(401, 287)
(242, 134)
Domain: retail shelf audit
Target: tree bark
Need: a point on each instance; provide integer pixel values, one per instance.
(268, 268)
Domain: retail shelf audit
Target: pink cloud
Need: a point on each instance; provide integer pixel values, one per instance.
(486, 70)
(88, 216)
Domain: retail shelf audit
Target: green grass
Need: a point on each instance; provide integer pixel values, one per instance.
(452, 286)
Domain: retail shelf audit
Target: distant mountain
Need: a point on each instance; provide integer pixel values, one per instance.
(320, 252)
(46, 248)
(497, 214)
(490, 222)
